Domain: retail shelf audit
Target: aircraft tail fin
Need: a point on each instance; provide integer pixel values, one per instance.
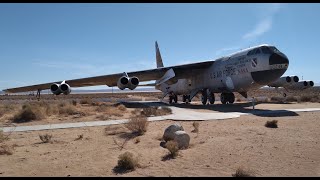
(158, 57)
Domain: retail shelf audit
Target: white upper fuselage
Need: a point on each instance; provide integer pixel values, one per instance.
(249, 68)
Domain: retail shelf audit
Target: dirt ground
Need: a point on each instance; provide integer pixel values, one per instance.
(218, 149)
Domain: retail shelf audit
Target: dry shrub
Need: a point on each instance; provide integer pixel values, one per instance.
(86, 101)
(240, 172)
(278, 99)
(306, 98)
(74, 102)
(163, 111)
(111, 110)
(6, 150)
(196, 127)
(122, 107)
(149, 111)
(173, 148)
(126, 162)
(67, 109)
(291, 99)
(28, 113)
(137, 125)
(2, 137)
(271, 124)
(137, 140)
(45, 138)
(113, 130)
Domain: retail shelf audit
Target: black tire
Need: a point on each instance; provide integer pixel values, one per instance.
(223, 98)
(211, 97)
(184, 97)
(170, 100)
(231, 98)
(175, 98)
(204, 97)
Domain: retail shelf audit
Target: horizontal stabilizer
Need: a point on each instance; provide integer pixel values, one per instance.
(167, 76)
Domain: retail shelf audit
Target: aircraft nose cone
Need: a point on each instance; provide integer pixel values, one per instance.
(278, 58)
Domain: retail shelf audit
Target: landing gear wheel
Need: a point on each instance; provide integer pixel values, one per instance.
(211, 97)
(188, 100)
(223, 98)
(175, 98)
(204, 97)
(231, 98)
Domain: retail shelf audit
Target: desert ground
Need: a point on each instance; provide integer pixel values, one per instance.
(219, 148)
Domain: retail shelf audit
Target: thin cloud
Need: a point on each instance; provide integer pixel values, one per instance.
(223, 50)
(266, 23)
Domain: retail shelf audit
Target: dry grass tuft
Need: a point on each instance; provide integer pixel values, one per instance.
(28, 113)
(6, 150)
(152, 111)
(196, 127)
(67, 109)
(240, 172)
(137, 125)
(122, 107)
(45, 138)
(272, 124)
(126, 162)
(86, 101)
(2, 137)
(173, 148)
(113, 130)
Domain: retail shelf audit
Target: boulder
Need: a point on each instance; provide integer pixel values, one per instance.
(182, 138)
(169, 131)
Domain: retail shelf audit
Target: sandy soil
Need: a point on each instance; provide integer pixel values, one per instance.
(220, 147)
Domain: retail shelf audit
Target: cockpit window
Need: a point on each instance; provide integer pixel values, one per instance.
(274, 49)
(266, 50)
(257, 51)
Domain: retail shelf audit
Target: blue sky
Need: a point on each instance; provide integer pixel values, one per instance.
(42, 43)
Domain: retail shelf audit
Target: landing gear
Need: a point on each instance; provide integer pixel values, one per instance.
(210, 96)
(227, 98)
(186, 99)
(38, 94)
(204, 97)
(173, 97)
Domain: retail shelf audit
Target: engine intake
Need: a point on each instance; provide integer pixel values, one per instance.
(127, 82)
(284, 81)
(60, 88)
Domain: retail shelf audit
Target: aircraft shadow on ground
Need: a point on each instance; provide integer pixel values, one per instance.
(237, 107)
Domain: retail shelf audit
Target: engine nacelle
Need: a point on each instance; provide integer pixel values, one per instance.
(123, 82)
(302, 85)
(55, 89)
(65, 88)
(133, 83)
(284, 81)
(126, 82)
(60, 88)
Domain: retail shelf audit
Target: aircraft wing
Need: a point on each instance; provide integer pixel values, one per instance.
(181, 71)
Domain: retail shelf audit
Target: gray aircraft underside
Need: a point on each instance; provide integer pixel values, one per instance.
(242, 71)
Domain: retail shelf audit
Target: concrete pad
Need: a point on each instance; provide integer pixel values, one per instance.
(179, 114)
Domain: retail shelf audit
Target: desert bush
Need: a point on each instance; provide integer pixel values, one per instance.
(163, 110)
(277, 99)
(306, 98)
(122, 107)
(149, 111)
(6, 150)
(240, 172)
(173, 148)
(127, 162)
(291, 99)
(137, 140)
(86, 101)
(271, 124)
(45, 138)
(74, 102)
(2, 137)
(137, 125)
(196, 127)
(67, 109)
(28, 113)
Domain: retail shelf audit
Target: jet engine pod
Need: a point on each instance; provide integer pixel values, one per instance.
(133, 83)
(284, 81)
(55, 89)
(302, 85)
(123, 82)
(65, 88)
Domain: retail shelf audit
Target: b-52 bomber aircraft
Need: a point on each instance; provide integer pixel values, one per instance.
(245, 70)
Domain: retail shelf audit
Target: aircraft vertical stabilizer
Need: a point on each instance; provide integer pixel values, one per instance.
(158, 57)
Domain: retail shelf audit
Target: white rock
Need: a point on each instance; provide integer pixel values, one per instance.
(182, 138)
(169, 131)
